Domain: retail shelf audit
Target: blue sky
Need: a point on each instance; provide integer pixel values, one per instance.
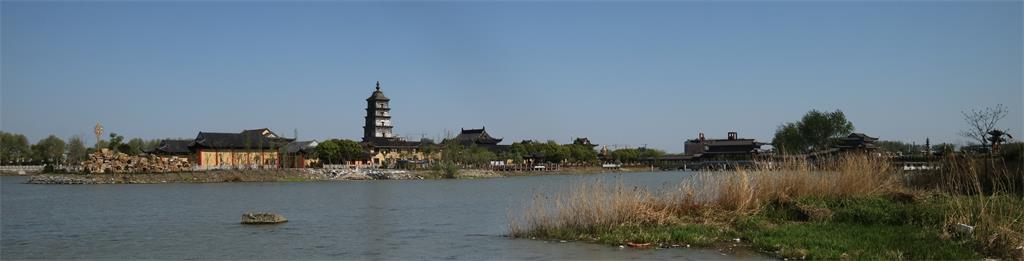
(621, 73)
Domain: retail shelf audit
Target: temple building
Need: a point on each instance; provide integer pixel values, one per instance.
(378, 117)
(172, 147)
(383, 146)
(584, 142)
(857, 141)
(479, 137)
(730, 148)
(258, 148)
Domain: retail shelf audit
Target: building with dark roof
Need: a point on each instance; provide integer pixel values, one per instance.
(584, 141)
(378, 117)
(476, 136)
(173, 147)
(731, 147)
(857, 141)
(299, 154)
(249, 148)
(479, 137)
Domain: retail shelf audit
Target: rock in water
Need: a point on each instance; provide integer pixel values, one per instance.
(258, 218)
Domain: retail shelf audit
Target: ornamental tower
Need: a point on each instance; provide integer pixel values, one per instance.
(378, 117)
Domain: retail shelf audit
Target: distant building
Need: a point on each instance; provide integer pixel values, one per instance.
(250, 148)
(730, 148)
(383, 146)
(299, 154)
(857, 141)
(476, 136)
(378, 117)
(584, 141)
(172, 147)
(479, 137)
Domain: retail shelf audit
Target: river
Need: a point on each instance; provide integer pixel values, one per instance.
(381, 219)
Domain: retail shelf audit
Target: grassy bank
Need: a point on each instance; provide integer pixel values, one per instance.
(852, 208)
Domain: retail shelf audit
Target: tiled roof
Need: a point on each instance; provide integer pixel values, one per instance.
(173, 147)
(244, 140)
(477, 136)
(301, 146)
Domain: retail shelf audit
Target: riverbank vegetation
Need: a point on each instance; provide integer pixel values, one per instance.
(852, 207)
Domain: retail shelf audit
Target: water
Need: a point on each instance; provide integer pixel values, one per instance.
(415, 219)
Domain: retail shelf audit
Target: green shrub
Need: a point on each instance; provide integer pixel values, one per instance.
(446, 169)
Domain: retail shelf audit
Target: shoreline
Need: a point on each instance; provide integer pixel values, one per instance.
(290, 175)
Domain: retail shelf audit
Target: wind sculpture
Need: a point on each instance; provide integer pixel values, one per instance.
(98, 130)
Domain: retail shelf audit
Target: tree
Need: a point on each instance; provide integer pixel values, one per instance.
(635, 155)
(76, 150)
(788, 140)
(115, 141)
(328, 151)
(453, 151)
(648, 153)
(553, 152)
(980, 122)
(14, 148)
(151, 145)
(815, 131)
(135, 146)
(100, 144)
(48, 150)
(349, 149)
(581, 153)
(819, 128)
(338, 151)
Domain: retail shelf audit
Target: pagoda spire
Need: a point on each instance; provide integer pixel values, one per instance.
(378, 85)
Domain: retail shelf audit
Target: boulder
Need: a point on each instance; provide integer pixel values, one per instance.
(258, 218)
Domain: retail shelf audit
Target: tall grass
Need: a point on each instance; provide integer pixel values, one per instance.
(702, 198)
(991, 200)
(978, 195)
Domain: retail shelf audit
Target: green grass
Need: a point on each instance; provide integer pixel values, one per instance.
(692, 234)
(857, 241)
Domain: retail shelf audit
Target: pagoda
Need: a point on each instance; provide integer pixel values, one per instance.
(378, 118)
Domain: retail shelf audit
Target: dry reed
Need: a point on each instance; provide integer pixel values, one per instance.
(982, 195)
(991, 202)
(707, 197)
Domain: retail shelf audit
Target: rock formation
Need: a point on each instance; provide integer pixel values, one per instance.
(107, 161)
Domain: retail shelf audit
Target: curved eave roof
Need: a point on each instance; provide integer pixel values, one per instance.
(378, 96)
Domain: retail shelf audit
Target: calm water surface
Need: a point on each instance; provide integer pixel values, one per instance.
(414, 219)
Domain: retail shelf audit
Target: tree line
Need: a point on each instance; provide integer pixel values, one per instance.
(820, 130)
(338, 151)
(15, 148)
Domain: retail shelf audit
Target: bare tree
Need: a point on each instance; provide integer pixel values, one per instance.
(980, 122)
